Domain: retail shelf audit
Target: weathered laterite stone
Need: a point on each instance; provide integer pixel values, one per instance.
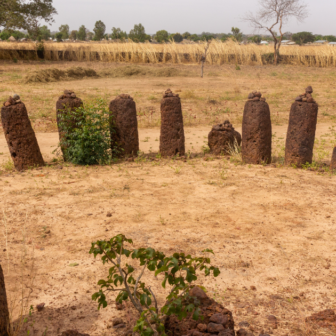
(216, 320)
(66, 104)
(172, 141)
(4, 312)
(222, 138)
(124, 126)
(20, 136)
(333, 160)
(257, 132)
(301, 131)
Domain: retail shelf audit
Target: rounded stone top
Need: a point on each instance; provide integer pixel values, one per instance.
(168, 93)
(256, 96)
(225, 126)
(124, 96)
(68, 94)
(306, 97)
(12, 100)
(309, 89)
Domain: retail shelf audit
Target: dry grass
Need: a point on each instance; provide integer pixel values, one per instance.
(220, 95)
(219, 53)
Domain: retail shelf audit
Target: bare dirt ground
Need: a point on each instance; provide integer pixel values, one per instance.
(272, 228)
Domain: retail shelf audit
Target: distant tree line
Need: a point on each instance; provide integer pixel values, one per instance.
(138, 34)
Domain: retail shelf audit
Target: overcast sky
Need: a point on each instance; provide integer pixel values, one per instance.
(195, 16)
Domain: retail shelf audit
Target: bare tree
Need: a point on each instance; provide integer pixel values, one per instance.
(273, 14)
(203, 57)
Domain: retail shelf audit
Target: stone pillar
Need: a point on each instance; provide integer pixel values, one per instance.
(4, 313)
(256, 130)
(124, 126)
(333, 161)
(301, 130)
(223, 138)
(66, 104)
(20, 135)
(172, 140)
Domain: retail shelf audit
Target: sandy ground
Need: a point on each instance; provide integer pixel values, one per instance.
(196, 138)
(272, 228)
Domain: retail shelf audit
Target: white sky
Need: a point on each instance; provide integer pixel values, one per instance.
(195, 16)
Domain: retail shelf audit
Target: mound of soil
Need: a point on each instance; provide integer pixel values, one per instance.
(324, 319)
(216, 320)
(55, 75)
(132, 70)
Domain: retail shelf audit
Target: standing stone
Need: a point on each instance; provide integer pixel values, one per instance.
(172, 140)
(20, 135)
(66, 104)
(124, 126)
(333, 161)
(256, 130)
(301, 130)
(222, 138)
(4, 313)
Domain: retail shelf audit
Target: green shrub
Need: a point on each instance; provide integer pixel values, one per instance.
(179, 272)
(87, 134)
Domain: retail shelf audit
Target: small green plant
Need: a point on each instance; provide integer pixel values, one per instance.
(177, 170)
(237, 67)
(86, 130)
(15, 60)
(205, 149)
(179, 272)
(8, 165)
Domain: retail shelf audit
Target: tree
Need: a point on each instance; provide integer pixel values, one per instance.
(89, 35)
(58, 36)
(207, 37)
(118, 34)
(6, 34)
(138, 34)
(162, 36)
(330, 38)
(255, 39)
(186, 35)
(237, 34)
(194, 37)
(303, 37)
(81, 34)
(65, 31)
(99, 30)
(177, 37)
(73, 35)
(44, 33)
(273, 14)
(25, 15)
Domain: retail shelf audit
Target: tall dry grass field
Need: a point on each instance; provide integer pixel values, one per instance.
(218, 53)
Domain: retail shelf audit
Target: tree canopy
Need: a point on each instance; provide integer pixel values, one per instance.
(81, 34)
(138, 33)
(237, 34)
(303, 37)
(118, 34)
(22, 14)
(65, 31)
(162, 36)
(177, 37)
(99, 30)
